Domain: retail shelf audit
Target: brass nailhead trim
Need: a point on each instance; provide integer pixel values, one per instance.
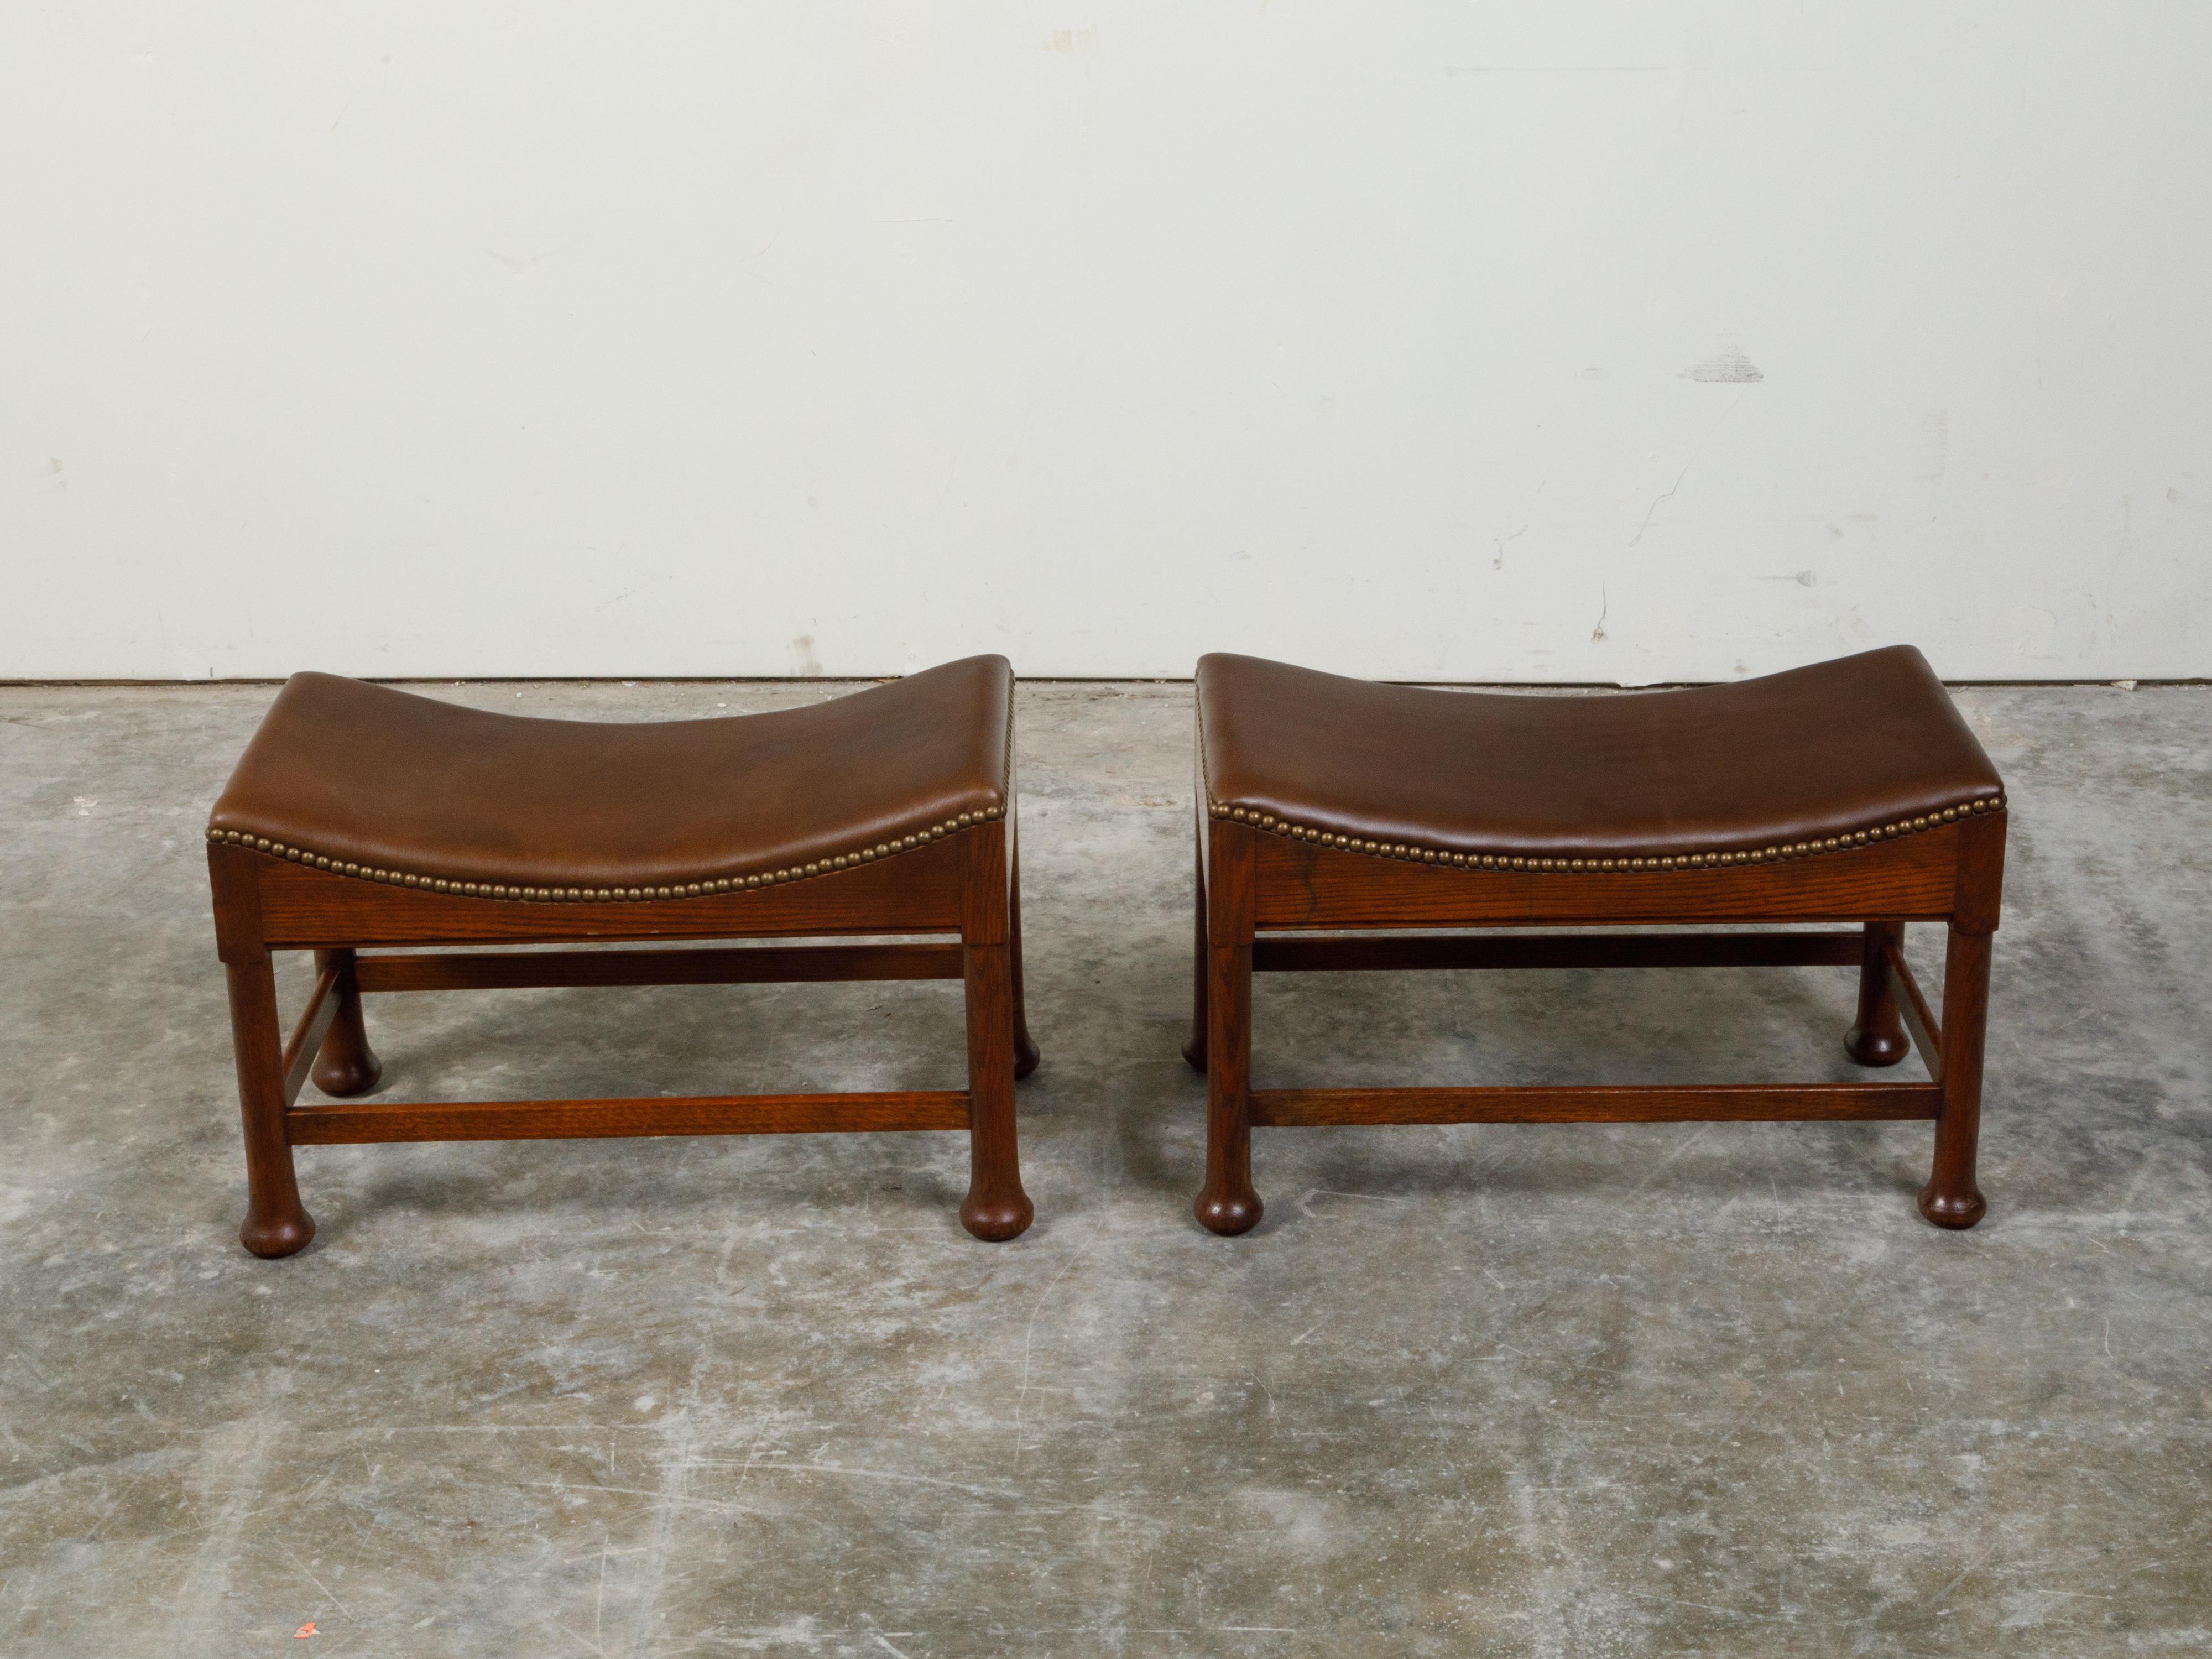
(611, 895)
(1269, 824)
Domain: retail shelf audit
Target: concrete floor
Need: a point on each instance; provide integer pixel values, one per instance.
(1540, 1390)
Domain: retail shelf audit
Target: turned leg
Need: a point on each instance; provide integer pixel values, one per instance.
(1195, 1050)
(1227, 1203)
(345, 1064)
(1950, 1199)
(996, 1206)
(1026, 1049)
(276, 1222)
(1877, 1038)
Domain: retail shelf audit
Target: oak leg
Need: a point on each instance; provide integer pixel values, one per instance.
(276, 1222)
(1026, 1050)
(996, 1207)
(1227, 1203)
(345, 1064)
(1877, 1038)
(1195, 1050)
(1950, 1199)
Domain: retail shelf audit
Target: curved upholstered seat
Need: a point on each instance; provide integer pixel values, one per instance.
(1817, 758)
(372, 782)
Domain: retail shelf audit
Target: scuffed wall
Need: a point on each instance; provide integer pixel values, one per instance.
(1589, 342)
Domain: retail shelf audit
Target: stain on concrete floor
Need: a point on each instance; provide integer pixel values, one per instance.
(1528, 1390)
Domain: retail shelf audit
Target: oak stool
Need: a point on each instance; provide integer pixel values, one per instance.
(363, 816)
(1849, 791)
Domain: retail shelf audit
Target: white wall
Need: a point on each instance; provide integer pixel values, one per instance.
(439, 338)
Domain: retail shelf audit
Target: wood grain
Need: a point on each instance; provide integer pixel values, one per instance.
(1913, 1009)
(996, 1207)
(1913, 878)
(1278, 955)
(763, 965)
(1717, 1102)
(307, 1038)
(359, 1122)
(1951, 1197)
(914, 893)
(1228, 1203)
(276, 1224)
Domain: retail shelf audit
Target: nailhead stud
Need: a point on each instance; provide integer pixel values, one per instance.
(1266, 820)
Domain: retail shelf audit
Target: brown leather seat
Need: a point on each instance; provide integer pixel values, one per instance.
(372, 781)
(1832, 754)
